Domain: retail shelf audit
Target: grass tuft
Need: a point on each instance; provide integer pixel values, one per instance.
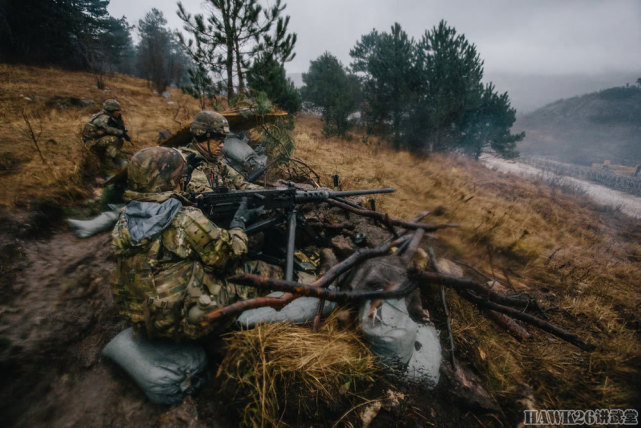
(282, 369)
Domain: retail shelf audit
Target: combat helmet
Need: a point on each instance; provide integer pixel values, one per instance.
(111, 105)
(155, 170)
(208, 123)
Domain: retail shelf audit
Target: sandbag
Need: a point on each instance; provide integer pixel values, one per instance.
(389, 331)
(240, 156)
(302, 309)
(424, 366)
(164, 370)
(410, 350)
(104, 221)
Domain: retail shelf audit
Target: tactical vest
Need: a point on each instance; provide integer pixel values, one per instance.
(158, 280)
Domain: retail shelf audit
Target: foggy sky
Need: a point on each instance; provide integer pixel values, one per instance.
(533, 37)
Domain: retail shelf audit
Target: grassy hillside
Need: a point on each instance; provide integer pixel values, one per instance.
(581, 262)
(52, 101)
(600, 126)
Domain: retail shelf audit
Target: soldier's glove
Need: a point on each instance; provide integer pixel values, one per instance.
(244, 215)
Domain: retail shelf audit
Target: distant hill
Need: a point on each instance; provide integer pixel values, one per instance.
(604, 125)
(530, 91)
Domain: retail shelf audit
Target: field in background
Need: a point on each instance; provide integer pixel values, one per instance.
(582, 262)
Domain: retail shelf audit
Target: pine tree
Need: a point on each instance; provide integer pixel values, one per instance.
(333, 90)
(268, 75)
(70, 33)
(160, 56)
(386, 62)
(454, 110)
(234, 32)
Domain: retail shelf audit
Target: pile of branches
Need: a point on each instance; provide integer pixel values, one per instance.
(406, 237)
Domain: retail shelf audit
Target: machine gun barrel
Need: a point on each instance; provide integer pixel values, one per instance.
(224, 203)
(312, 195)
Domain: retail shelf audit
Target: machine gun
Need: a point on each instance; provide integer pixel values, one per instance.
(223, 203)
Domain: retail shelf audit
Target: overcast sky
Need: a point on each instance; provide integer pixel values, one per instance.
(548, 37)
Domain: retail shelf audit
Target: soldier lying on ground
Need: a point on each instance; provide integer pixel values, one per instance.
(203, 155)
(106, 132)
(170, 257)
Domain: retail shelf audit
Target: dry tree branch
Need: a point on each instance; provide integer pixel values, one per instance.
(430, 252)
(394, 221)
(29, 133)
(396, 234)
(322, 282)
(531, 319)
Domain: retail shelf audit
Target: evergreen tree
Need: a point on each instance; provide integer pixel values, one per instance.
(71, 33)
(451, 73)
(333, 90)
(268, 75)
(386, 62)
(234, 32)
(160, 56)
(454, 110)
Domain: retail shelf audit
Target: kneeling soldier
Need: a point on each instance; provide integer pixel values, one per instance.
(170, 257)
(106, 131)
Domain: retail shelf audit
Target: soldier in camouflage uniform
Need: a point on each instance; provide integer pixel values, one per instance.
(106, 131)
(172, 260)
(204, 153)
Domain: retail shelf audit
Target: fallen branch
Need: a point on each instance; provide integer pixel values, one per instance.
(510, 325)
(461, 284)
(383, 218)
(322, 282)
(531, 319)
(446, 310)
(304, 290)
(29, 133)
(399, 232)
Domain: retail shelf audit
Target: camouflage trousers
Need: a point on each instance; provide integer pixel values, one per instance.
(108, 150)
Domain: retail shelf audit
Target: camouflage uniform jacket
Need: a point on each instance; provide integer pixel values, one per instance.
(102, 124)
(220, 174)
(160, 277)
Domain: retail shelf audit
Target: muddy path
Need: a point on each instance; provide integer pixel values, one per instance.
(55, 317)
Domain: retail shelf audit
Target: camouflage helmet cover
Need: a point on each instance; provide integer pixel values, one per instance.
(211, 122)
(155, 169)
(111, 105)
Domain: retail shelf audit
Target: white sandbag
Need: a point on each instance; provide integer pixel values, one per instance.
(104, 221)
(411, 351)
(164, 370)
(302, 309)
(389, 331)
(425, 365)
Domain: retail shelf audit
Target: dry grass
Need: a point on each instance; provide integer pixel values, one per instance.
(569, 254)
(277, 369)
